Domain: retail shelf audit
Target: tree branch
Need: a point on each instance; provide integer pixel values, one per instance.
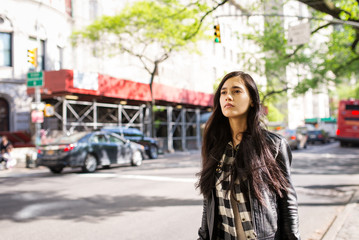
(329, 7)
(202, 19)
(338, 69)
(184, 9)
(274, 92)
(324, 6)
(139, 57)
(356, 41)
(238, 6)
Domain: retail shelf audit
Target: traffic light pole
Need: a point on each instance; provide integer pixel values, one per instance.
(37, 90)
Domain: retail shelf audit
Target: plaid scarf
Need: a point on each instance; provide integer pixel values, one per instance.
(226, 226)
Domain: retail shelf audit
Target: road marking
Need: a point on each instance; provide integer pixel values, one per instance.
(158, 178)
(98, 175)
(140, 177)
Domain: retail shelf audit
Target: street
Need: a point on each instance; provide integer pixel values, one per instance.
(157, 200)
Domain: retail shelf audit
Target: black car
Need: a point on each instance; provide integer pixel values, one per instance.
(89, 150)
(318, 136)
(135, 135)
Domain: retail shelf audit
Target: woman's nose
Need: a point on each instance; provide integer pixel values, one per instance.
(229, 97)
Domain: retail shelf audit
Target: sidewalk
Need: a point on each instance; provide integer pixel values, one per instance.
(346, 224)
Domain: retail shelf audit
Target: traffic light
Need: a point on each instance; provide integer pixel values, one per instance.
(32, 56)
(217, 34)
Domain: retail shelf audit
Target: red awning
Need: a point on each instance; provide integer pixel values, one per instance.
(62, 83)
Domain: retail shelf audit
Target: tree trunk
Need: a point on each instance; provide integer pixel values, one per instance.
(152, 125)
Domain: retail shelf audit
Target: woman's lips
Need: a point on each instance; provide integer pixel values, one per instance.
(228, 105)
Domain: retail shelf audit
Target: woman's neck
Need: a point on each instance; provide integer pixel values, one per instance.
(238, 126)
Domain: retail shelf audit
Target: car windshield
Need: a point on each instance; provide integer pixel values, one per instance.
(116, 138)
(65, 139)
(132, 132)
(127, 132)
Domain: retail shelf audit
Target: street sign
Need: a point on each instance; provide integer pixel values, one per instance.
(298, 34)
(35, 79)
(37, 116)
(49, 110)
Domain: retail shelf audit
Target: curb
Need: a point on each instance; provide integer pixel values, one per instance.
(339, 220)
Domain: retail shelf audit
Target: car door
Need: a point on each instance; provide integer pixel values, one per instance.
(103, 149)
(122, 154)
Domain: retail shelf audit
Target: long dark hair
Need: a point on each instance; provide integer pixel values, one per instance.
(254, 157)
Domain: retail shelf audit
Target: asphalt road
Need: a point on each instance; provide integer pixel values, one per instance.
(157, 200)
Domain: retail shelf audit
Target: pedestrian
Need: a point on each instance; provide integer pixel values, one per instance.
(245, 175)
(5, 150)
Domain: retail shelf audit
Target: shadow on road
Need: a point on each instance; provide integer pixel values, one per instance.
(22, 206)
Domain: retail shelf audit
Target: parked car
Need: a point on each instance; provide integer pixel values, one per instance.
(135, 135)
(318, 135)
(89, 150)
(296, 138)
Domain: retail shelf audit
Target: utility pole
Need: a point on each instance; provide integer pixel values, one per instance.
(37, 88)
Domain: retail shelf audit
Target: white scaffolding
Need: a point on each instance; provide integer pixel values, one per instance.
(175, 128)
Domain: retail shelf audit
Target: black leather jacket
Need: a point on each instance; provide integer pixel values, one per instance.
(277, 221)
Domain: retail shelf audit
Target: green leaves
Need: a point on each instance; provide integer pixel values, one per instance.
(165, 23)
(350, 9)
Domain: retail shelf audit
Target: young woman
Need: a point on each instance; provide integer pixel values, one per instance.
(245, 176)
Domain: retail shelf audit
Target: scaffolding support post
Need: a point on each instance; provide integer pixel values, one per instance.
(64, 115)
(183, 129)
(169, 129)
(94, 114)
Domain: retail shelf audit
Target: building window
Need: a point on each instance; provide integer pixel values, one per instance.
(42, 55)
(5, 49)
(93, 9)
(59, 58)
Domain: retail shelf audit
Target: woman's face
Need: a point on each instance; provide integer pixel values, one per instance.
(234, 99)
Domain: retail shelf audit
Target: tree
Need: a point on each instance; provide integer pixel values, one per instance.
(149, 31)
(335, 60)
(340, 61)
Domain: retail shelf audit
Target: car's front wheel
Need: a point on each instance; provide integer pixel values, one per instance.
(90, 164)
(153, 152)
(137, 158)
(56, 170)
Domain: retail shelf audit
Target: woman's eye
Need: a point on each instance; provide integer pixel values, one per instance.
(237, 91)
(223, 92)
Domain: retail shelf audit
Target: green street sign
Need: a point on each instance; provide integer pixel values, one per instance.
(35, 79)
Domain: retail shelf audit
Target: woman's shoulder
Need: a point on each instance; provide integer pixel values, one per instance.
(274, 137)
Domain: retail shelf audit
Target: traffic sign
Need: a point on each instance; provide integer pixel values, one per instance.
(37, 116)
(299, 34)
(35, 79)
(49, 110)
